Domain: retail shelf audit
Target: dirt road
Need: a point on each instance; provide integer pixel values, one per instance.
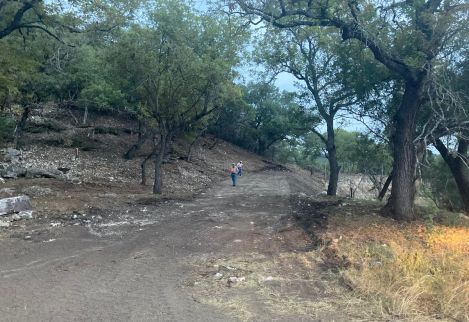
(172, 263)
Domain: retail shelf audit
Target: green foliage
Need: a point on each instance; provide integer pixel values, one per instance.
(332, 75)
(358, 153)
(262, 118)
(176, 71)
(233, 124)
(277, 115)
(440, 185)
(19, 72)
(54, 19)
(7, 126)
(81, 76)
(310, 151)
(305, 151)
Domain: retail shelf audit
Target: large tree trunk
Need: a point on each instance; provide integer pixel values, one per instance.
(162, 148)
(332, 158)
(401, 202)
(458, 164)
(461, 175)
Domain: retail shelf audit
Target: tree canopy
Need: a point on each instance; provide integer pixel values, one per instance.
(175, 67)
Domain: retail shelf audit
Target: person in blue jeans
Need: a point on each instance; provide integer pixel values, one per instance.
(233, 172)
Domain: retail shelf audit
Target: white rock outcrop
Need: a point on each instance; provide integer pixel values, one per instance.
(14, 205)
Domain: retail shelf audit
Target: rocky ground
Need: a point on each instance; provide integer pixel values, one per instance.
(75, 175)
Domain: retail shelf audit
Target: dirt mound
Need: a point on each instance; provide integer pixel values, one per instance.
(272, 166)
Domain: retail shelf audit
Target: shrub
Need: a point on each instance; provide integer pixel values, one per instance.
(106, 130)
(439, 185)
(45, 126)
(7, 127)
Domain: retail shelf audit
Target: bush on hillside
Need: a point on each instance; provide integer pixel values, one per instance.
(106, 130)
(45, 126)
(7, 127)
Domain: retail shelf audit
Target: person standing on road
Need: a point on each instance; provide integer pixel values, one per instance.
(240, 168)
(233, 172)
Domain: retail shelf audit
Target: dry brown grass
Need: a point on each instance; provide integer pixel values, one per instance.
(410, 271)
(368, 268)
(288, 285)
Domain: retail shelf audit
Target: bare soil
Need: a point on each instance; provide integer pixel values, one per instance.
(231, 253)
(107, 249)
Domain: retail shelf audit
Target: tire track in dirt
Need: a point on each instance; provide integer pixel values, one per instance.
(147, 274)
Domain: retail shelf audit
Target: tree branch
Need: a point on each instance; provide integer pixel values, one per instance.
(323, 139)
(15, 24)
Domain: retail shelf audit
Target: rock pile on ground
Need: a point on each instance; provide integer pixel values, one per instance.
(14, 205)
(13, 166)
(15, 208)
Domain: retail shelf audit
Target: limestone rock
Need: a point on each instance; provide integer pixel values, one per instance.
(4, 224)
(11, 155)
(75, 180)
(14, 205)
(26, 214)
(12, 171)
(43, 173)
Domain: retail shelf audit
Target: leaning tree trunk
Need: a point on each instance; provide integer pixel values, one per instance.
(458, 164)
(130, 154)
(332, 158)
(21, 125)
(191, 146)
(143, 166)
(401, 201)
(385, 188)
(163, 147)
(461, 175)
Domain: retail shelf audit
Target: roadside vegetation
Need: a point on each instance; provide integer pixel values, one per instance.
(408, 271)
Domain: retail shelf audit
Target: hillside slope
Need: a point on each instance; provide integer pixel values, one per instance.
(96, 176)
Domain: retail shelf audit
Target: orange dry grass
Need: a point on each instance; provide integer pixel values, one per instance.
(454, 240)
(410, 271)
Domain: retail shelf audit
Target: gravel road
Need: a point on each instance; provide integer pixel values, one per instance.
(135, 272)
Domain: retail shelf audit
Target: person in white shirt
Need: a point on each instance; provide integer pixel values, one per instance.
(240, 168)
